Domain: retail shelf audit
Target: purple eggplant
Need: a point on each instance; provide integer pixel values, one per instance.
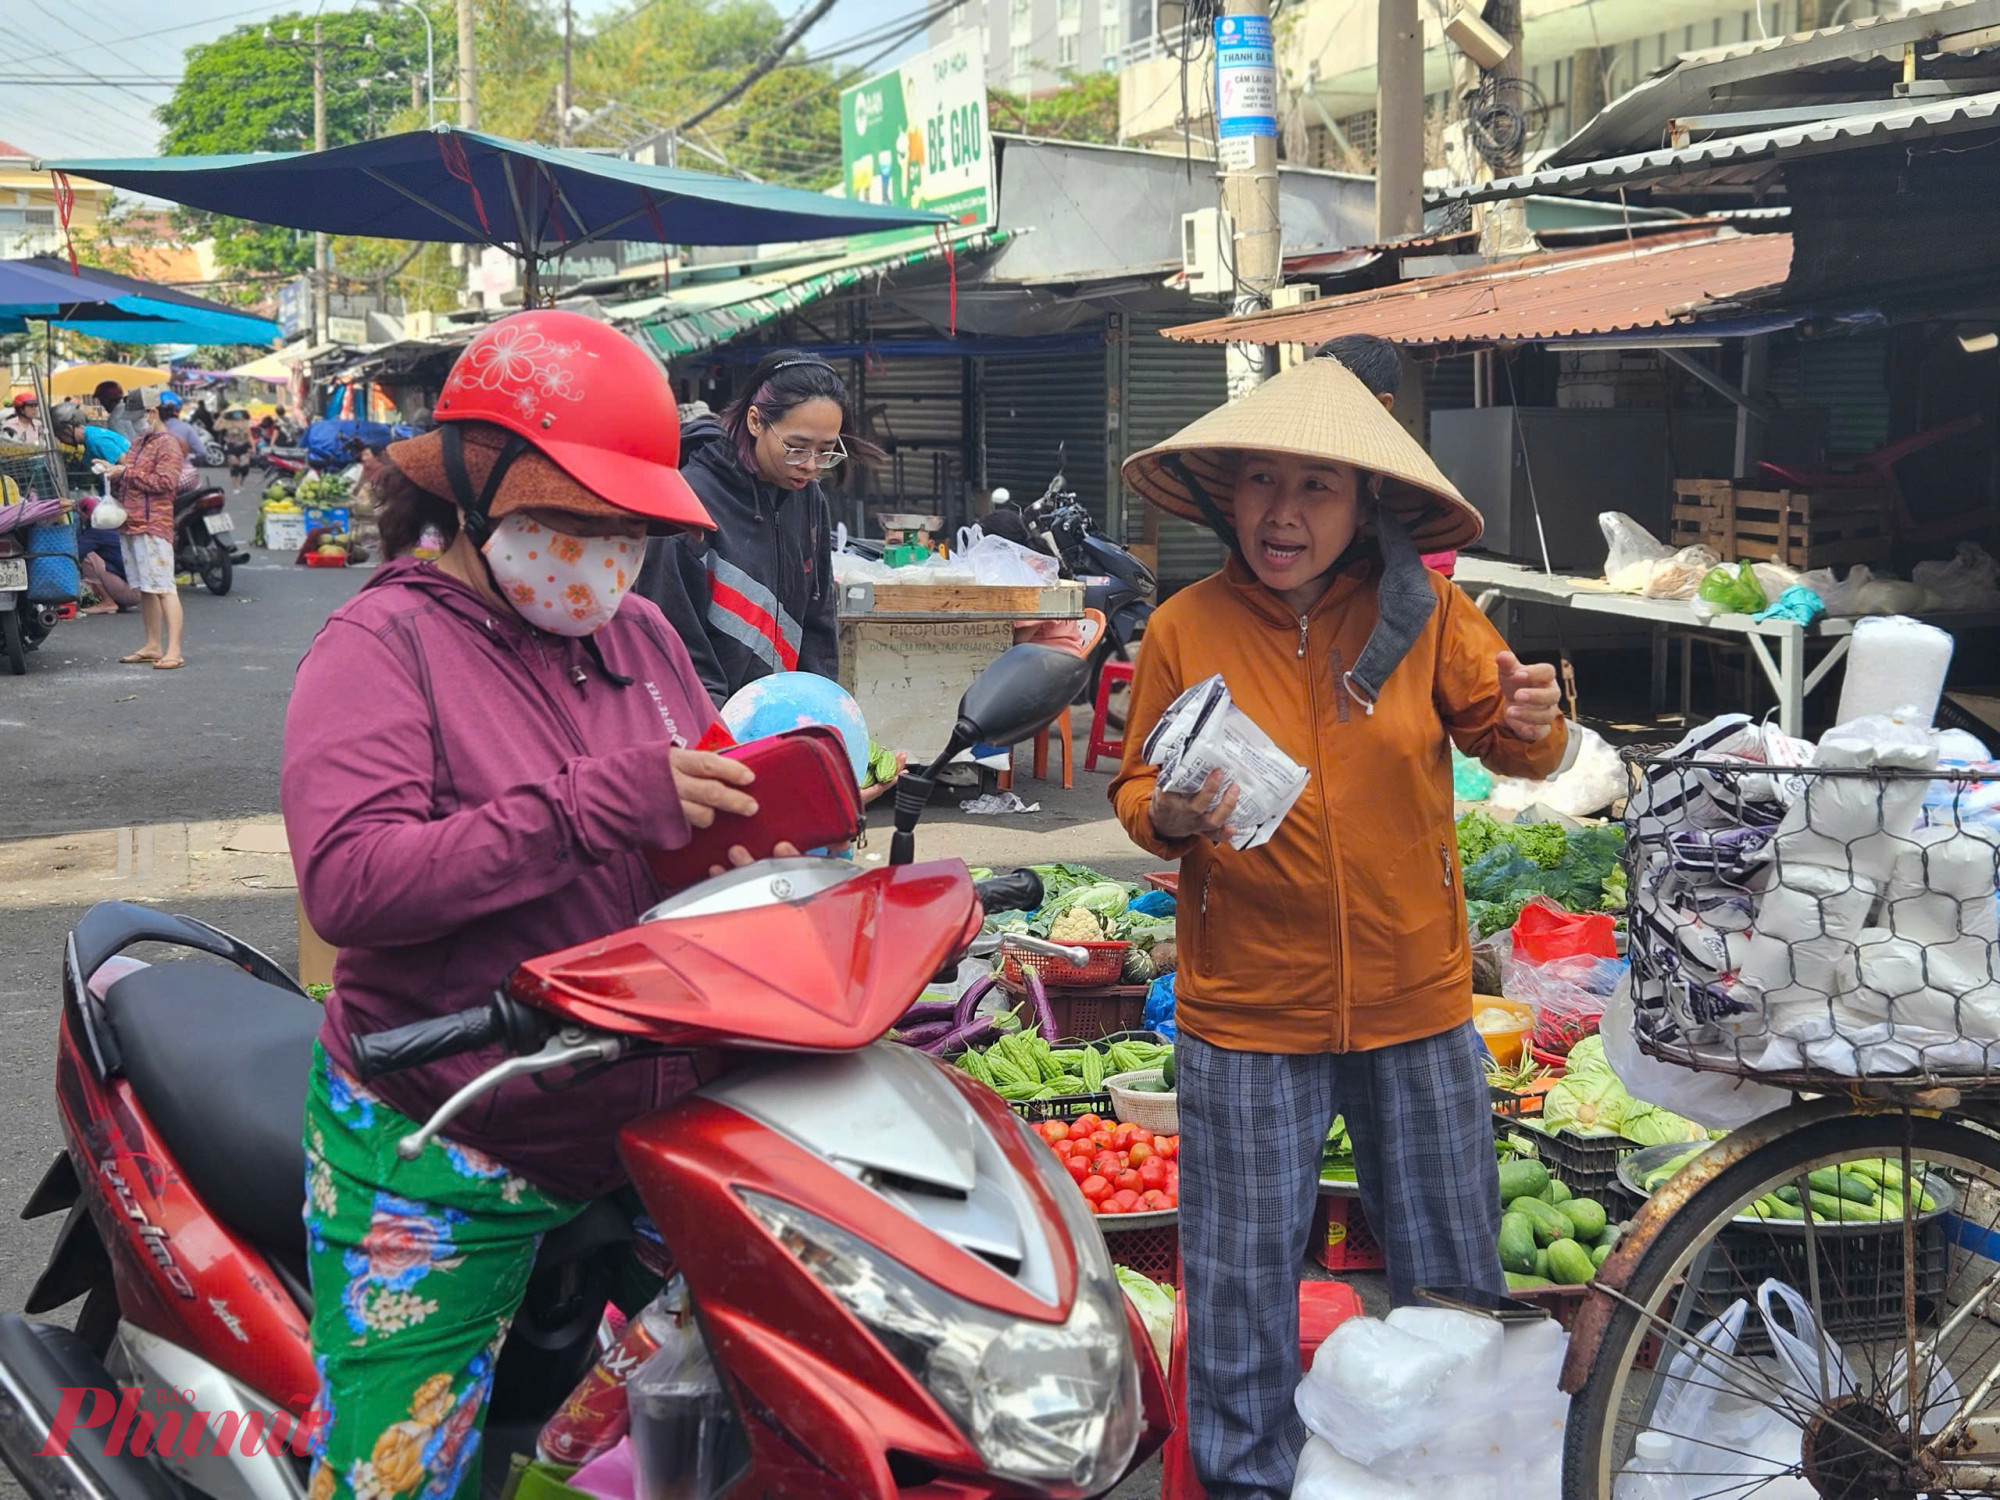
(962, 1037)
(924, 1012)
(927, 1032)
(1045, 1018)
(968, 1003)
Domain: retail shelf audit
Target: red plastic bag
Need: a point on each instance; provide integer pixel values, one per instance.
(1543, 932)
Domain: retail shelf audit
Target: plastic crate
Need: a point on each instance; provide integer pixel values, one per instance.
(1093, 1015)
(1107, 962)
(1563, 1303)
(1587, 1164)
(324, 559)
(1860, 1276)
(1342, 1239)
(1153, 1250)
(1064, 1107)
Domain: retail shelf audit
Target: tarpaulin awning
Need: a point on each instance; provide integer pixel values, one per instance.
(705, 314)
(1658, 283)
(83, 380)
(461, 186)
(109, 306)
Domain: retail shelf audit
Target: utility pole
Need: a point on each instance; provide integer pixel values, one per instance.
(1504, 228)
(1246, 113)
(322, 246)
(1399, 120)
(468, 69)
(563, 95)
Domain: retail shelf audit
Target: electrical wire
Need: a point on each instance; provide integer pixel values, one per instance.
(1505, 118)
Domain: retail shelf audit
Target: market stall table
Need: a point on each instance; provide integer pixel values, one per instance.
(1489, 579)
(908, 651)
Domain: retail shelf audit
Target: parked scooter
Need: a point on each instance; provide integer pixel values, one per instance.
(205, 538)
(901, 1290)
(1114, 581)
(23, 626)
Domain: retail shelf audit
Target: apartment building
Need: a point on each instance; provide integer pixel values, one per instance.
(1033, 46)
(29, 222)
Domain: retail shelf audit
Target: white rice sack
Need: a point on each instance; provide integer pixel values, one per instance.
(1375, 1387)
(1942, 887)
(1945, 988)
(1799, 986)
(1807, 901)
(1855, 822)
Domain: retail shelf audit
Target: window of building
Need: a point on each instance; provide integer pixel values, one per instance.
(1069, 12)
(1066, 49)
(1109, 42)
(1022, 14)
(1018, 64)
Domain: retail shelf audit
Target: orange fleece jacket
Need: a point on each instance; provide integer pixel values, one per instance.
(1346, 930)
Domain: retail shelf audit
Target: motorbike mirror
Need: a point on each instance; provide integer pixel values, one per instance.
(1019, 693)
(1002, 495)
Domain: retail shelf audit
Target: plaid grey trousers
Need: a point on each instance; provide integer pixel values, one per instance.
(1253, 1125)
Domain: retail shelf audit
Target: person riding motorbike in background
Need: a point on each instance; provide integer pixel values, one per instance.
(758, 596)
(477, 751)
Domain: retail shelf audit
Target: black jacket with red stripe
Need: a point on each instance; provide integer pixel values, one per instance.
(756, 595)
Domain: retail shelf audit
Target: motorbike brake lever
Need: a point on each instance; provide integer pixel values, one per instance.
(570, 1045)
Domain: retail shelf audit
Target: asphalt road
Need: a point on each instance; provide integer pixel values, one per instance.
(92, 743)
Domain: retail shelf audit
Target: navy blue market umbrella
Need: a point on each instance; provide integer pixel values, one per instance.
(119, 307)
(460, 186)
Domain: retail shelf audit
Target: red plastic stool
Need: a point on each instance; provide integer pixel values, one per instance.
(1323, 1307)
(1114, 672)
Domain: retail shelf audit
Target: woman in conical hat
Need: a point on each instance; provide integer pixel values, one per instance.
(1326, 971)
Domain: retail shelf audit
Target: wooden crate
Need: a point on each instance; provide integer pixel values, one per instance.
(1803, 529)
(972, 598)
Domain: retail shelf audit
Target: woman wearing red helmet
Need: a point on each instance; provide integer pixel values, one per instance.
(477, 751)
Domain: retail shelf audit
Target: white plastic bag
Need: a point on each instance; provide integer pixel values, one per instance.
(1595, 779)
(1203, 731)
(996, 561)
(1627, 545)
(1862, 593)
(1971, 580)
(1431, 1395)
(1711, 1099)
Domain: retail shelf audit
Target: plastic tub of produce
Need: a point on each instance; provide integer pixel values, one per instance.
(1503, 1025)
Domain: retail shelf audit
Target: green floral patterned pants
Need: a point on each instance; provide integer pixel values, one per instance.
(417, 1270)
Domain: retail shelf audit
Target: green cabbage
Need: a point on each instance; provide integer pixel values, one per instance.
(1589, 1104)
(1156, 1308)
(1650, 1125)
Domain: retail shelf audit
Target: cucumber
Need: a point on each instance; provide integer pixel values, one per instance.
(1570, 1263)
(1601, 1254)
(1522, 1179)
(1770, 1206)
(1556, 1193)
(1838, 1184)
(1517, 1243)
(1788, 1194)
(1519, 1283)
(1586, 1216)
(1550, 1223)
(1827, 1206)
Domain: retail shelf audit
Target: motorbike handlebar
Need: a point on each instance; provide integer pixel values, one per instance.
(420, 1042)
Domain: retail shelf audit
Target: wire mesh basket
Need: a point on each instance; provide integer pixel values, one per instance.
(1816, 926)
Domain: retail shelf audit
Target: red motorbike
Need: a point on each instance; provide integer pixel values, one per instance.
(902, 1292)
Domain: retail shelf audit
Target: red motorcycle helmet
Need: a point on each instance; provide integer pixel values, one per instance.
(586, 398)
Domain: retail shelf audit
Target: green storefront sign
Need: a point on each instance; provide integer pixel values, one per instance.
(916, 137)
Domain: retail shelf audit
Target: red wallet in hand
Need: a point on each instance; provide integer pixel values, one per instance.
(805, 794)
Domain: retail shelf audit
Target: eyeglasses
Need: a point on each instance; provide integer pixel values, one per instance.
(804, 458)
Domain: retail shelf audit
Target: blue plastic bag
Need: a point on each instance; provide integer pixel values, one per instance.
(1159, 1013)
(1153, 904)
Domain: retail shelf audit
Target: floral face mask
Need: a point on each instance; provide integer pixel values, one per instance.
(568, 585)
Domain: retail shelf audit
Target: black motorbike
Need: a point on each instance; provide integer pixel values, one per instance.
(205, 538)
(1115, 583)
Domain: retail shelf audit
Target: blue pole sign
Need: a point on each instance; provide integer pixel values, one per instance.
(1246, 77)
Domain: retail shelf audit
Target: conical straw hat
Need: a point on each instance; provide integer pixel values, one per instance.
(1317, 410)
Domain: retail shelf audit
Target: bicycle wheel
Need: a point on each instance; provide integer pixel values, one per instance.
(1910, 1305)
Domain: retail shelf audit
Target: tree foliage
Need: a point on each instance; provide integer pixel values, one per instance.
(1085, 108)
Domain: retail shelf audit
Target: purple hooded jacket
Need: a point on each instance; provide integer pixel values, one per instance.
(462, 793)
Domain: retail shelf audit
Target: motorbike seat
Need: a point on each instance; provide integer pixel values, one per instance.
(219, 1062)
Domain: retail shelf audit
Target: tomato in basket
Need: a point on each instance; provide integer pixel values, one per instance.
(1123, 1170)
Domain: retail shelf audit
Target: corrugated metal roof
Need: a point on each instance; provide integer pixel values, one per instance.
(1898, 123)
(1655, 283)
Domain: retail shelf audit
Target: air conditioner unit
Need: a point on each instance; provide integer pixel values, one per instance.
(1206, 236)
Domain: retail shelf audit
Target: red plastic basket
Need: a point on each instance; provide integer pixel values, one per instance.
(1092, 1015)
(324, 559)
(1154, 1250)
(1342, 1239)
(1107, 961)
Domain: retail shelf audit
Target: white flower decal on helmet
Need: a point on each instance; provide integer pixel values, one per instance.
(519, 358)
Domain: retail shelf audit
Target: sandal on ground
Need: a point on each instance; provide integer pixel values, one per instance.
(141, 658)
(169, 664)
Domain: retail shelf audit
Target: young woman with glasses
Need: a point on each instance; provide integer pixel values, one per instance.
(757, 596)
